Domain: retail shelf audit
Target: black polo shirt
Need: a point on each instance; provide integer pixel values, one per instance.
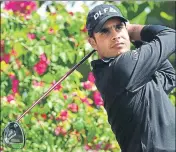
(135, 88)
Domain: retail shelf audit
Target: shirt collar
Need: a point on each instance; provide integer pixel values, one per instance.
(106, 60)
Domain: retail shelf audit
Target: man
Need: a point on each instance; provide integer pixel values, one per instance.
(134, 84)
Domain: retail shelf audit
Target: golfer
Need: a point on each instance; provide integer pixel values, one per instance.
(134, 84)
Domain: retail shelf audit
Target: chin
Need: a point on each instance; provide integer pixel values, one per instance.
(123, 50)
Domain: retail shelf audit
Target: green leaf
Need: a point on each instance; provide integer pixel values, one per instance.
(5, 112)
(78, 125)
(27, 119)
(71, 57)
(91, 133)
(173, 99)
(19, 49)
(166, 16)
(48, 78)
(63, 56)
(21, 74)
(140, 19)
(78, 74)
(45, 109)
(50, 140)
(32, 59)
(20, 34)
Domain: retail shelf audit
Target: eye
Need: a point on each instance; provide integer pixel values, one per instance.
(104, 31)
(119, 27)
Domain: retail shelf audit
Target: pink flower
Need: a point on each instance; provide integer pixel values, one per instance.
(63, 115)
(5, 57)
(91, 77)
(58, 87)
(84, 29)
(31, 36)
(51, 31)
(87, 147)
(12, 76)
(43, 38)
(98, 146)
(60, 131)
(87, 85)
(15, 84)
(10, 98)
(57, 131)
(71, 13)
(44, 116)
(24, 7)
(74, 94)
(13, 52)
(2, 45)
(97, 98)
(36, 83)
(73, 107)
(43, 57)
(41, 67)
(85, 100)
(107, 146)
(65, 96)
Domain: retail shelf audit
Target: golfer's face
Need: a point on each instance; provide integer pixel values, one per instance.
(113, 39)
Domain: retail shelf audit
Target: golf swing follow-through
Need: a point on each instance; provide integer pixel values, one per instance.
(134, 84)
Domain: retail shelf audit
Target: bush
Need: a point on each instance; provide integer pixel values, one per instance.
(35, 53)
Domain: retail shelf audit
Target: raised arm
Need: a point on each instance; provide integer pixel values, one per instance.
(140, 65)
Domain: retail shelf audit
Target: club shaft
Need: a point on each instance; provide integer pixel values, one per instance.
(58, 82)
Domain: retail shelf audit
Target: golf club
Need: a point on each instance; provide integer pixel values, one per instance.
(13, 134)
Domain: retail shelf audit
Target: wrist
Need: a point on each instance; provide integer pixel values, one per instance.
(134, 31)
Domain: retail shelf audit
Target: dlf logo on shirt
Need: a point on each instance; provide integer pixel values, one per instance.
(104, 11)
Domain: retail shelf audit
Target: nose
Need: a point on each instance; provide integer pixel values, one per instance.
(115, 35)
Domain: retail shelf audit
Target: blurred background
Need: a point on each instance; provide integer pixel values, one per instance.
(40, 42)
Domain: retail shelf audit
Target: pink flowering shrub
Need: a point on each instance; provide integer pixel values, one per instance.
(98, 99)
(63, 115)
(91, 77)
(31, 36)
(88, 85)
(10, 98)
(34, 55)
(5, 57)
(37, 83)
(73, 107)
(15, 84)
(60, 131)
(24, 7)
(41, 66)
(58, 87)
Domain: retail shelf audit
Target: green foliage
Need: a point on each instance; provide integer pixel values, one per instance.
(41, 52)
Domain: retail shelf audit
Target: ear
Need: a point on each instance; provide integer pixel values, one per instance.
(92, 43)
